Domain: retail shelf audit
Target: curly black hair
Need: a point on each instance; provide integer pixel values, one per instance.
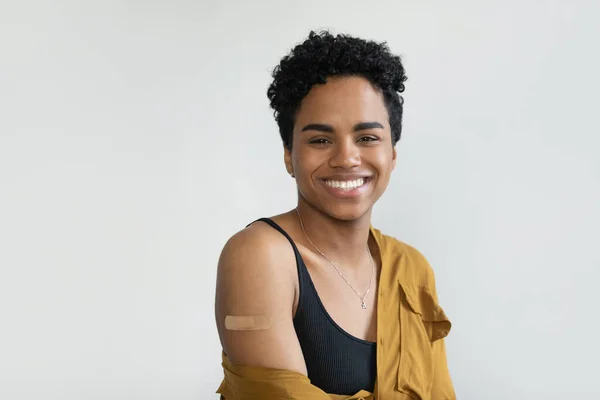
(324, 55)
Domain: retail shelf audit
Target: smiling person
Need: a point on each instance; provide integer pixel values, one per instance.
(316, 303)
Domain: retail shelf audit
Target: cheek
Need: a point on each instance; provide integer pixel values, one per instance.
(305, 161)
(385, 163)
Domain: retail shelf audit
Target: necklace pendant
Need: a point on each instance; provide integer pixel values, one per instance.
(363, 305)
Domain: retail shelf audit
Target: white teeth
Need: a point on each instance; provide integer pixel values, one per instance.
(346, 185)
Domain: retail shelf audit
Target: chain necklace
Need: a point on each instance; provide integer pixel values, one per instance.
(361, 297)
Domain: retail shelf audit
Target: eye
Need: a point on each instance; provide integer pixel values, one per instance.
(368, 139)
(319, 141)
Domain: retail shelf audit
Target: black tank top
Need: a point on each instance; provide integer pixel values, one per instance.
(337, 362)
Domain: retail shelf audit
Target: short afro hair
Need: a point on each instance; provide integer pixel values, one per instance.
(324, 55)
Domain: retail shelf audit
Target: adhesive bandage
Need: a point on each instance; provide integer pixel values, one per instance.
(247, 323)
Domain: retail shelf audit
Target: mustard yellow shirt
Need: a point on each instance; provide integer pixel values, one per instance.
(411, 355)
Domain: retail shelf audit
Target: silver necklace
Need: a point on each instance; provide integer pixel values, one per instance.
(361, 297)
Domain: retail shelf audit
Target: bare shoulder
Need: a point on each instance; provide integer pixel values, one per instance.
(256, 278)
(261, 258)
(258, 241)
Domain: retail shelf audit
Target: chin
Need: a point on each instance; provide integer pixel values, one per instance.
(348, 211)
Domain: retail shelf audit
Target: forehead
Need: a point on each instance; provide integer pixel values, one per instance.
(343, 100)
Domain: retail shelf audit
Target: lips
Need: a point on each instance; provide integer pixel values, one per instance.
(345, 177)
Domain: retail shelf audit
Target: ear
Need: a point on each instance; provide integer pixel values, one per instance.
(394, 156)
(287, 159)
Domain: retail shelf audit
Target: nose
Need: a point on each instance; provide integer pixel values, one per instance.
(345, 154)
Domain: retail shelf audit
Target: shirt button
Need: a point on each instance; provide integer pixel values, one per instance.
(381, 342)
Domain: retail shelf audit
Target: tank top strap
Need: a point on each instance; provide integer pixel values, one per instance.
(300, 266)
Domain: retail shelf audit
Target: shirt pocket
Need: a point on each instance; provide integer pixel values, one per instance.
(422, 322)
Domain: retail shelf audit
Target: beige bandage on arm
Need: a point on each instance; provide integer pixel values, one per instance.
(247, 323)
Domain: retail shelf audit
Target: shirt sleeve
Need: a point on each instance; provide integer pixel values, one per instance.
(442, 388)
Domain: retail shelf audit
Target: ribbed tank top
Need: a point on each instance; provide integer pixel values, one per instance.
(337, 362)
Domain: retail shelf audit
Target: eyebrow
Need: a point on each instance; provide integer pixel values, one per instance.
(329, 129)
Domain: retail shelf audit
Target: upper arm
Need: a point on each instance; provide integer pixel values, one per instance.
(254, 279)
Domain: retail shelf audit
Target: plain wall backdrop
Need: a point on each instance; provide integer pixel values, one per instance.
(136, 137)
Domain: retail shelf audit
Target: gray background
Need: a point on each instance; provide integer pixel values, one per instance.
(135, 138)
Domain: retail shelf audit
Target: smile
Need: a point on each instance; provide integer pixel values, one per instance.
(346, 185)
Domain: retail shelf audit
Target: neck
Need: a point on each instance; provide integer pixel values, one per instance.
(344, 242)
